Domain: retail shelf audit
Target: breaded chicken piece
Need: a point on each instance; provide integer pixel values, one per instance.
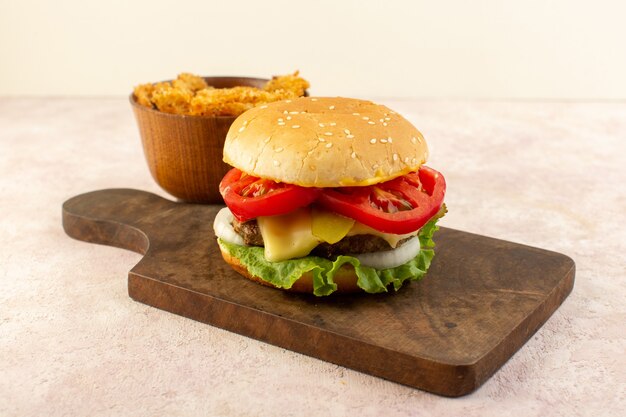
(227, 101)
(169, 99)
(288, 84)
(143, 94)
(189, 94)
(187, 81)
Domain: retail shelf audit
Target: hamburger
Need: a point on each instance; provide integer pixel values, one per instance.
(328, 194)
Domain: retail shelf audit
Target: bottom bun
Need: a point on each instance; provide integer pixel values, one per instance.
(345, 278)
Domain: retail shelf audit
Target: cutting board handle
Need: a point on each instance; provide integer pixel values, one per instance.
(122, 218)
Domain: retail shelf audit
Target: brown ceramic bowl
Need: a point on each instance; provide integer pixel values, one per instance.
(184, 153)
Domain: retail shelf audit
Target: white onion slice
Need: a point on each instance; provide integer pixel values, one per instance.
(391, 258)
(224, 229)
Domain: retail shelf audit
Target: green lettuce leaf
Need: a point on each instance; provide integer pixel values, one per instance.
(284, 273)
(427, 231)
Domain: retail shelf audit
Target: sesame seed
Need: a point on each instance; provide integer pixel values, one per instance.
(267, 139)
(389, 139)
(281, 123)
(333, 124)
(383, 141)
(372, 140)
(365, 118)
(372, 123)
(329, 145)
(280, 119)
(276, 163)
(349, 136)
(287, 101)
(387, 118)
(288, 117)
(313, 99)
(263, 106)
(374, 166)
(347, 131)
(328, 133)
(381, 120)
(242, 128)
(331, 108)
(245, 122)
(384, 124)
(356, 114)
(285, 112)
(413, 161)
(353, 155)
(406, 159)
(278, 150)
(321, 124)
(395, 156)
(295, 126)
(321, 139)
(294, 112)
(413, 140)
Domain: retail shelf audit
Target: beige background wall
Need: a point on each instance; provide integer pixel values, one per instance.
(476, 49)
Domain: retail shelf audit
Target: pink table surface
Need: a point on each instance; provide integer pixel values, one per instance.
(547, 174)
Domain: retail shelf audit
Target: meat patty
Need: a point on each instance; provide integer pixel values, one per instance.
(251, 234)
(353, 244)
(249, 231)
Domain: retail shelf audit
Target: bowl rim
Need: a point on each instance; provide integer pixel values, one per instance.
(134, 103)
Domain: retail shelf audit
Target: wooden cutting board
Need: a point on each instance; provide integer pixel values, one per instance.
(482, 299)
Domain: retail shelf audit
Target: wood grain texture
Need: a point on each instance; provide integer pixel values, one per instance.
(482, 299)
(184, 153)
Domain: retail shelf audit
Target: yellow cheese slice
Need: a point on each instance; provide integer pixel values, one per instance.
(329, 227)
(296, 234)
(288, 236)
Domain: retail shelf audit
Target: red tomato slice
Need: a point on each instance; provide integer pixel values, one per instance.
(399, 206)
(249, 197)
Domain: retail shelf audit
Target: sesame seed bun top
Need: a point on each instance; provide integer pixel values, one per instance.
(324, 142)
